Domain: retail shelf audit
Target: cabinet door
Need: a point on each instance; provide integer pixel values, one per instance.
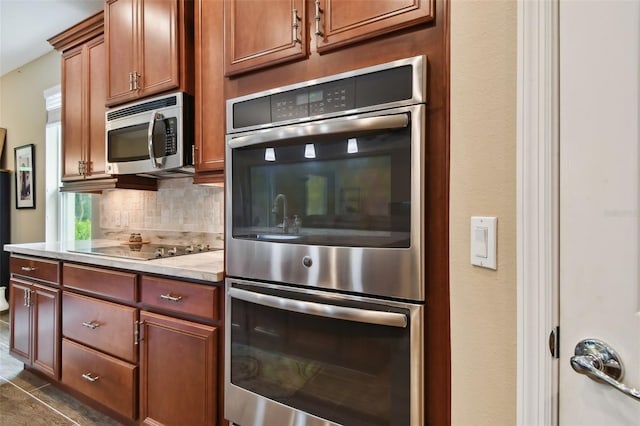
(72, 114)
(158, 46)
(344, 22)
(210, 105)
(120, 24)
(45, 307)
(262, 33)
(96, 84)
(178, 372)
(20, 314)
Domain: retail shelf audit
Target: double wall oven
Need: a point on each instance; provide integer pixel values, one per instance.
(325, 250)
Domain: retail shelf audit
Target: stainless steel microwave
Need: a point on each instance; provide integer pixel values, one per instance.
(152, 137)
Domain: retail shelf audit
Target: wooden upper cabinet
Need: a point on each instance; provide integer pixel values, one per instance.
(263, 33)
(83, 99)
(209, 99)
(72, 114)
(120, 26)
(341, 22)
(95, 113)
(149, 48)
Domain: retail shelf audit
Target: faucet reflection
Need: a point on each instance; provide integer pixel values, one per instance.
(285, 221)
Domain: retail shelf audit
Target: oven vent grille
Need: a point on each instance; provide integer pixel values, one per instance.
(142, 107)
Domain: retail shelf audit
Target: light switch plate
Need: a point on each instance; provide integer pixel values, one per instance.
(484, 233)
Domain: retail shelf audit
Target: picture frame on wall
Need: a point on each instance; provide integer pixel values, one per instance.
(25, 177)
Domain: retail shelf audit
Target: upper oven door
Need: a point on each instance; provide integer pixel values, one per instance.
(334, 203)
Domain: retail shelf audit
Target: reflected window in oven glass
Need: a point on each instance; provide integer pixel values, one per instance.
(355, 192)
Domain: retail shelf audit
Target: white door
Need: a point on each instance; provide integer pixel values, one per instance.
(599, 203)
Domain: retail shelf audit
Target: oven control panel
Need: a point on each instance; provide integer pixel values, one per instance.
(318, 100)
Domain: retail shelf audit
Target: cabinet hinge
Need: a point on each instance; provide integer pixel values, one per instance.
(554, 342)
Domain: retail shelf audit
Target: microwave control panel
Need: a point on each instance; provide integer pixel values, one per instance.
(171, 134)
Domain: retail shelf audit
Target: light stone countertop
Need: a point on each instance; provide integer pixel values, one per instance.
(207, 266)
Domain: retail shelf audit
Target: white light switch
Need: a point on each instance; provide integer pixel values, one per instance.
(483, 241)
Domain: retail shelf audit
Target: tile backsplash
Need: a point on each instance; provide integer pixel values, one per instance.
(178, 206)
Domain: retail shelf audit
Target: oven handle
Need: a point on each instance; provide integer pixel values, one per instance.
(337, 125)
(392, 319)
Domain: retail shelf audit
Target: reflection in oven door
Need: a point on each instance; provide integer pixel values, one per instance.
(320, 359)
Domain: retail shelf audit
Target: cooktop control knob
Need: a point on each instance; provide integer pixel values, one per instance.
(306, 261)
(172, 251)
(159, 252)
(189, 249)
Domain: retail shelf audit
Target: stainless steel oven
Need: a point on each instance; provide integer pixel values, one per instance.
(312, 358)
(324, 182)
(325, 250)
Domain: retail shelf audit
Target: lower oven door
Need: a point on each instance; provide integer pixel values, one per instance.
(310, 358)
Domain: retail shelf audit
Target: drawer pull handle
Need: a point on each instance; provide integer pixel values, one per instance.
(88, 377)
(170, 297)
(92, 325)
(28, 269)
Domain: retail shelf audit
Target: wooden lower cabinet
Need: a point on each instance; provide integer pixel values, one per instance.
(104, 326)
(178, 371)
(106, 379)
(35, 329)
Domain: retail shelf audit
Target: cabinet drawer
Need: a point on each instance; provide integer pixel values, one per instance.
(178, 296)
(105, 326)
(38, 269)
(102, 282)
(106, 379)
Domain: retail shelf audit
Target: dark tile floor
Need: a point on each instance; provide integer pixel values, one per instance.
(26, 399)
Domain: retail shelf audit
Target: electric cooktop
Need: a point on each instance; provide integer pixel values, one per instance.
(140, 251)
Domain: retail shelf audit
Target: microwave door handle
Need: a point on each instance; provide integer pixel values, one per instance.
(152, 155)
(324, 127)
(392, 319)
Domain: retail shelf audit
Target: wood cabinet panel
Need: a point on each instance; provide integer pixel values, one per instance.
(149, 48)
(159, 52)
(72, 130)
(95, 114)
(83, 99)
(181, 297)
(343, 22)
(36, 269)
(106, 326)
(260, 34)
(209, 99)
(20, 321)
(177, 387)
(101, 282)
(45, 304)
(35, 325)
(120, 26)
(103, 378)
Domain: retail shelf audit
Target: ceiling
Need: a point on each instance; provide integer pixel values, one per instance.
(25, 26)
